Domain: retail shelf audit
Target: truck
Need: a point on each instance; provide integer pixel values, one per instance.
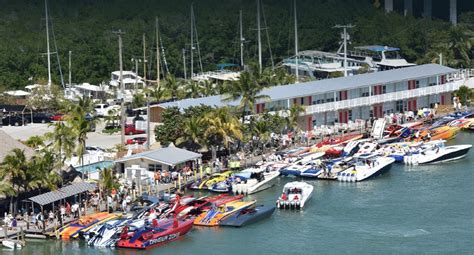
(102, 110)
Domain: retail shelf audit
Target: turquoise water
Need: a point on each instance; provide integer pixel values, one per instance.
(94, 167)
(410, 210)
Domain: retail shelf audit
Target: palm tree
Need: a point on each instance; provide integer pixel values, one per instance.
(193, 131)
(172, 85)
(261, 130)
(35, 142)
(80, 123)
(465, 94)
(293, 116)
(62, 141)
(107, 180)
(13, 169)
(192, 89)
(222, 128)
(247, 89)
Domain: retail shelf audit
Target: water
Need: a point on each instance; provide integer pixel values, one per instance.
(410, 210)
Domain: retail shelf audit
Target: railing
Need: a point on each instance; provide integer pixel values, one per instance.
(454, 81)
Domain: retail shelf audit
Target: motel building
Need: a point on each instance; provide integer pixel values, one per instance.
(354, 97)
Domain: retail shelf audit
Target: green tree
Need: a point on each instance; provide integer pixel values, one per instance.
(171, 129)
(13, 168)
(247, 90)
(294, 114)
(465, 94)
(35, 142)
(62, 141)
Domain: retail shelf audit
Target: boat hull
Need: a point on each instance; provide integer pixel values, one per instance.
(241, 218)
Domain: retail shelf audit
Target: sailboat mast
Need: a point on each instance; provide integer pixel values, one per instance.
(144, 58)
(241, 42)
(192, 39)
(157, 54)
(70, 53)
(259, 38)
(296, 42)
(47, 43)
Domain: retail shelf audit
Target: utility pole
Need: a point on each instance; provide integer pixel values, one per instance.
(345, 37)
(70, 53)
(47, 44)
(259, 38)
(157, 54)
(241, 42)
(192, 38)
(184, 64)
(144, 58)
(119, 33)
(296, 43)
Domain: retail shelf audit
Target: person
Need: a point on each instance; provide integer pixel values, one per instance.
(75, 210)
(33, 220)
(68, 209)
(109, 203)
(124, 205)
(51, 217)
(62, 211)
(283, 196)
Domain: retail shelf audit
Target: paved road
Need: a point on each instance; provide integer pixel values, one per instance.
(93, 138)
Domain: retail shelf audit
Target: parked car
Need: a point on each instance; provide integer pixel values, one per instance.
(110, 126)
(38, 117)
(57, 117)
(131, 130)
(101, 110)
(94, 149)
(14, 120)
(136, 140)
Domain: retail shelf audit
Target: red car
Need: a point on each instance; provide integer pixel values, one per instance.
(131, 130)
(139, 140)
(57, 117)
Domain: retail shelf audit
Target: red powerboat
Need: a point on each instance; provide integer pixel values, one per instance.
(155, 235)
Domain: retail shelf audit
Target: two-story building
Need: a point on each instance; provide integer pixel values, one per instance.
(354, 97)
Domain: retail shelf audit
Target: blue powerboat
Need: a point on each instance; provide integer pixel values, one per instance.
(248, 216)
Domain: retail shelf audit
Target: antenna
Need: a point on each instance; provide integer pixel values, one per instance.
(241, 42)
(346, 36)
(296, 42)
(119, 33)
(47, 43)
(259, 38)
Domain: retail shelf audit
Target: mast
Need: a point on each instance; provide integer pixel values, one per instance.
(144, 58)
(345, 37)
(296, 41)
(259, 38)
(184, 64)
(70, 53)
(122, 88)
(241, 42)
(192, 39)
(157, 54)
(47, 43)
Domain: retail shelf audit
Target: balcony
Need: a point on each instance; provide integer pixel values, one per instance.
(454, 81)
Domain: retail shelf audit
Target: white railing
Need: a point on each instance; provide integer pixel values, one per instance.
(454, 82)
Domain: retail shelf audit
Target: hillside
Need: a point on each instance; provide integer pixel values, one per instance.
(86, 28)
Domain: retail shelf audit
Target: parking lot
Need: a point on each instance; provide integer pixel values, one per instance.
(96, 138)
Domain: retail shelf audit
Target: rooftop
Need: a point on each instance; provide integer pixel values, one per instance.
(8, 144)
(377, 48)
(170, 156)
(324, 86)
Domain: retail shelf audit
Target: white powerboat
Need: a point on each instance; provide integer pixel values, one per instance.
(435, 153)
(12, 244)
(306, 167)
(295, 195)
(254, 180)
(365, 168)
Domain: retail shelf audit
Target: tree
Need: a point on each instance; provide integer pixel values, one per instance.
(80, 123)
(247, 89)
(171, 129)
(293, 116)
(35, 142)
(261, 129)
(465, 94)
(107, 182)
(13, 168)
(222, 127)
(192, 135)
(62, 141)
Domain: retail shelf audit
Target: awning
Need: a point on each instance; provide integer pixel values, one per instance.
(64, 192)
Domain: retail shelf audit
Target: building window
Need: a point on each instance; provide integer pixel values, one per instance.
(384, 89)
(302, 101)
(399, 106)
(350, 115)
(417, 84)
(154, 167)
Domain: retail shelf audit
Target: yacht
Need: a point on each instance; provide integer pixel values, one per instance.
(383, 57)
(295, 195)
(366, 167)
(254, 180)
(435, 153)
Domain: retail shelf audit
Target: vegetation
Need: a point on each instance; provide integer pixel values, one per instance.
(85, 28)
(465, 95)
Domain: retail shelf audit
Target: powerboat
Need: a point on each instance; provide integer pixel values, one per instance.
(302, 165)
(84, 224)
(435, 153)
(252, 181)
(248, 216)
(295, 195)
(154, 235)
(215, 215)
(108, 234)
(366, 167)
(205, 183)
